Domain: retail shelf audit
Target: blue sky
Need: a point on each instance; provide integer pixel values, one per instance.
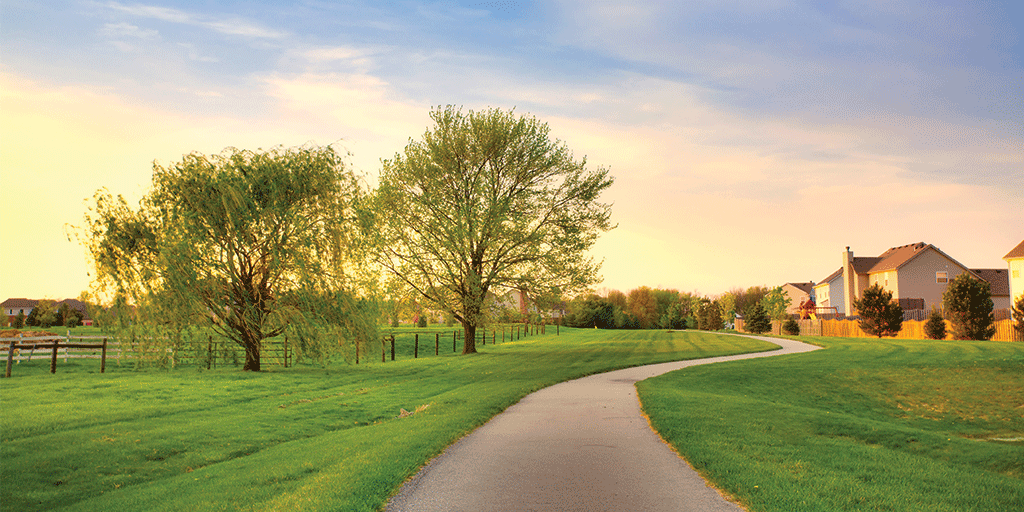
(750, 141)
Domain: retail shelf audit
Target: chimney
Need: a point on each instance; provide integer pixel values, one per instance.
(849, 282)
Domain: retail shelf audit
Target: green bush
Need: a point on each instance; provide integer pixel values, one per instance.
(791, 328)
(968, 305)
(422, 322)
(935, 327)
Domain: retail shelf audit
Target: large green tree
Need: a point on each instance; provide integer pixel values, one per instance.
(967, 303)
(486, 202)
(879, 314)
(249, 241)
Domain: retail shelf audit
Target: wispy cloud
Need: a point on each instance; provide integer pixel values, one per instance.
(225, 25)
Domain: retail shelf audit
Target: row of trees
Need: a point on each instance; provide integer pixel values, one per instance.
(259, 243)
(654, 308)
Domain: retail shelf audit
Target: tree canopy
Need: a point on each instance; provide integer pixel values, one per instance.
(251, 241)
(486, 202)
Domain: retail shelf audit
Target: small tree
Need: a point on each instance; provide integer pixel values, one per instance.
(935, 327)
(1018, 319)
(775, 303)
(758, 321)
(880, 315)
(422, 322)
(19, 321)
(968, 304)
(792, 328)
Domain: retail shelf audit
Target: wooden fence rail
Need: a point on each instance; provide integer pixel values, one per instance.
(53, 345)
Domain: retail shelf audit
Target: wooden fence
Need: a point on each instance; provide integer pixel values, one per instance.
(912, 329)
(50, 346)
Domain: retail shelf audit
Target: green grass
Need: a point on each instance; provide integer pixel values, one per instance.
(303, 438)
(902, 425)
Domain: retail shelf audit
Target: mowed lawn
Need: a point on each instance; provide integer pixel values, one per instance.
(900, 425)
(304, 438)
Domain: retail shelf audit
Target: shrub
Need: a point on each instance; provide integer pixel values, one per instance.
(422, 322)
(935, 327)
(19, 321)
(968, 305)
(758, 321)
(1018, 319)
(791, 328)
(880, 315)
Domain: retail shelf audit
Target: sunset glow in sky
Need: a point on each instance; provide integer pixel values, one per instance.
(750, 142)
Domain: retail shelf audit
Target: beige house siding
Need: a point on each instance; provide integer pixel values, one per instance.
(917, 278)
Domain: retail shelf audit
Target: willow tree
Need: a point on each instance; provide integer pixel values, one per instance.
(249, 241)
(488, 202)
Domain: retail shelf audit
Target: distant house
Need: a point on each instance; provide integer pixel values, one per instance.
(11, 308)
(798, 293)
(1015, 262)
(916, 274)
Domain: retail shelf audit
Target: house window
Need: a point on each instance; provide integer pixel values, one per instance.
(941, 277)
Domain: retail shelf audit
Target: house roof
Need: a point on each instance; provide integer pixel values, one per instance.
(998, 279)
(1016, 252)
(804, 287)
(831, 276)
(896, 257)
(19, 303)
(863, 265)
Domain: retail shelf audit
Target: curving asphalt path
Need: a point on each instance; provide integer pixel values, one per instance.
(579, 445)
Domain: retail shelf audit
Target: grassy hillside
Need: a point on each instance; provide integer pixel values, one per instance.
(864, 425)
(287, 439)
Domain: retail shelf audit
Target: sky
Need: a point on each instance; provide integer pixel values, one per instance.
(750, 141)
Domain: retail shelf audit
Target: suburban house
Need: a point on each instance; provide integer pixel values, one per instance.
(1015, 262)
(999, 282)
(12, 307)
(916, 274)
(798, 293)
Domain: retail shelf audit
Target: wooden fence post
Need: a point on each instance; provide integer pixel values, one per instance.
(357, 350)
(209, 352)
(10, 358)
(437, 343)
(286, 351)
(454, 338)
(103, 357)
(382, 351)
(53, 358)
(392, 347)
(416, 347)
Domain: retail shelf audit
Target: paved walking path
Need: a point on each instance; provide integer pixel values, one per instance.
(580, 445)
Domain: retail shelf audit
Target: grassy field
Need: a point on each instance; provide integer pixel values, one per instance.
(865, 425)
(303, 438)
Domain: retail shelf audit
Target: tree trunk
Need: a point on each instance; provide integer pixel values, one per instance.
(469, 347)
(252, 355)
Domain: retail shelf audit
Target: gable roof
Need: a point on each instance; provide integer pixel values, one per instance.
(1016, 252)
(19, 303)
(896, 257)
(831, 276)
(804, 287)
(998, 279)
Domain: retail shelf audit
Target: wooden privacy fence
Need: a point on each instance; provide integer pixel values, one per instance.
(912, 329)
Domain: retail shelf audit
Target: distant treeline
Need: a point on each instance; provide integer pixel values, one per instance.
(655, 308)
